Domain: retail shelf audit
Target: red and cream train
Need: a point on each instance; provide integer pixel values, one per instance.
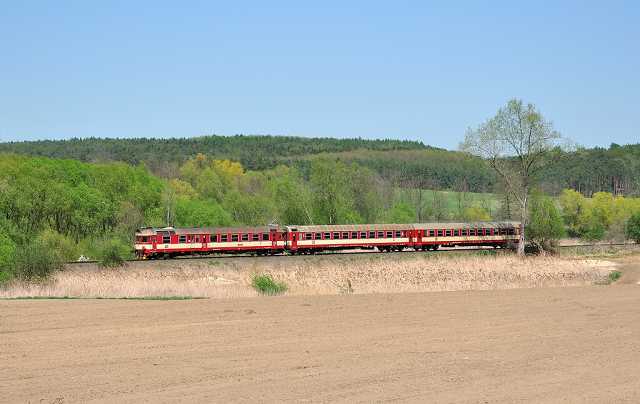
(171, 242)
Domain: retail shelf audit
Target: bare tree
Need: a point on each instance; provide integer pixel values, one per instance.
(514, 142)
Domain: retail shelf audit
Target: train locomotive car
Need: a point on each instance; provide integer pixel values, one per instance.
(171, 242)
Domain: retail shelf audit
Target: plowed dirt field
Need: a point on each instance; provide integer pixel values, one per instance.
(537, 345)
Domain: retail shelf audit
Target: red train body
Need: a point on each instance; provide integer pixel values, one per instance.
(171, 242)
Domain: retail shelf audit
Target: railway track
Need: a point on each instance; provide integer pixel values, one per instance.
(442, 250)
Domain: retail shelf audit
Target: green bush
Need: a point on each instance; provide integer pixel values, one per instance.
(61, 245)
(545, 222)
(113, 253)
(633, 228)
(7, 258)
(267, 286)
(614, 276)
(36, 261)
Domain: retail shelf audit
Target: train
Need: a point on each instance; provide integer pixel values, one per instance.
(170, 242)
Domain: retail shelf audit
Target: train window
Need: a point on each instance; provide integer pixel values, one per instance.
(265, 236)
(440, 233)
(336, 235)
(432, 233)
(380, 234)
(389, 234)
(363, 234)
(224, 238)
(354, 234)
(318, 236)
(372, 234)
(447, 233)
(166, 239)
(234, 237)
(308, 236)
(245, 237)
(398, 234)
(182, 239)
(255, 237)
(327, 236)
(345, 235)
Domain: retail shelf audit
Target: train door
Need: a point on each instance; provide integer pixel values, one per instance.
(418, 237)
(294, 240)
(274, 238)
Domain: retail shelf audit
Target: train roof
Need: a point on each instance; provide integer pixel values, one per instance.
(395, 226)
(469, 225)
(351, 227)
(149, 231)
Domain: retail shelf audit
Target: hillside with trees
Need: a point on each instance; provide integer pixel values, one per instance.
(405, 163)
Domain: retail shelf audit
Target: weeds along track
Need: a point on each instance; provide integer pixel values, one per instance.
(330, 274)
(442, 250)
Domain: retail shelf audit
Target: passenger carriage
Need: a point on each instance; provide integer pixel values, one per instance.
(430, 236)
(170, 242)
(385, 237)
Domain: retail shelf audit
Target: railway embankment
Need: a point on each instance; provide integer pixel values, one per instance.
(231, 277)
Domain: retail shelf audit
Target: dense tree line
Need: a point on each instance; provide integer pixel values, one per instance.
(161, 155)
(409, 164)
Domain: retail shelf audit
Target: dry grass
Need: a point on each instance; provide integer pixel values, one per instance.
(375, 273)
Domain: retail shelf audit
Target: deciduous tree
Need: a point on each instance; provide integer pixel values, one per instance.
(515, 143)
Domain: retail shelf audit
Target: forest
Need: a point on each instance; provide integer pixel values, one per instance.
(408, 163)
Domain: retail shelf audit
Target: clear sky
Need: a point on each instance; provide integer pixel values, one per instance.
(411, 70)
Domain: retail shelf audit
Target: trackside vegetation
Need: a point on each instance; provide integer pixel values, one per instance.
(266, 285)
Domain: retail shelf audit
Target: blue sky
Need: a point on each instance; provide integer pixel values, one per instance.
(409, 70)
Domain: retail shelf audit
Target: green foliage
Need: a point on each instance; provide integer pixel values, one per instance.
(198, 212)
(614, 276)
(73, 198)
(603, 216)
(401, 212)
(633, 228)
(545, 221)
(7, 257)
(476, 214)
(113, 252)
(35, 261)
(63, 247)
(265, 285)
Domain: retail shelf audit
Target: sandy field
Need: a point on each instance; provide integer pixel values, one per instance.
(541, 344)
(577, 344)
